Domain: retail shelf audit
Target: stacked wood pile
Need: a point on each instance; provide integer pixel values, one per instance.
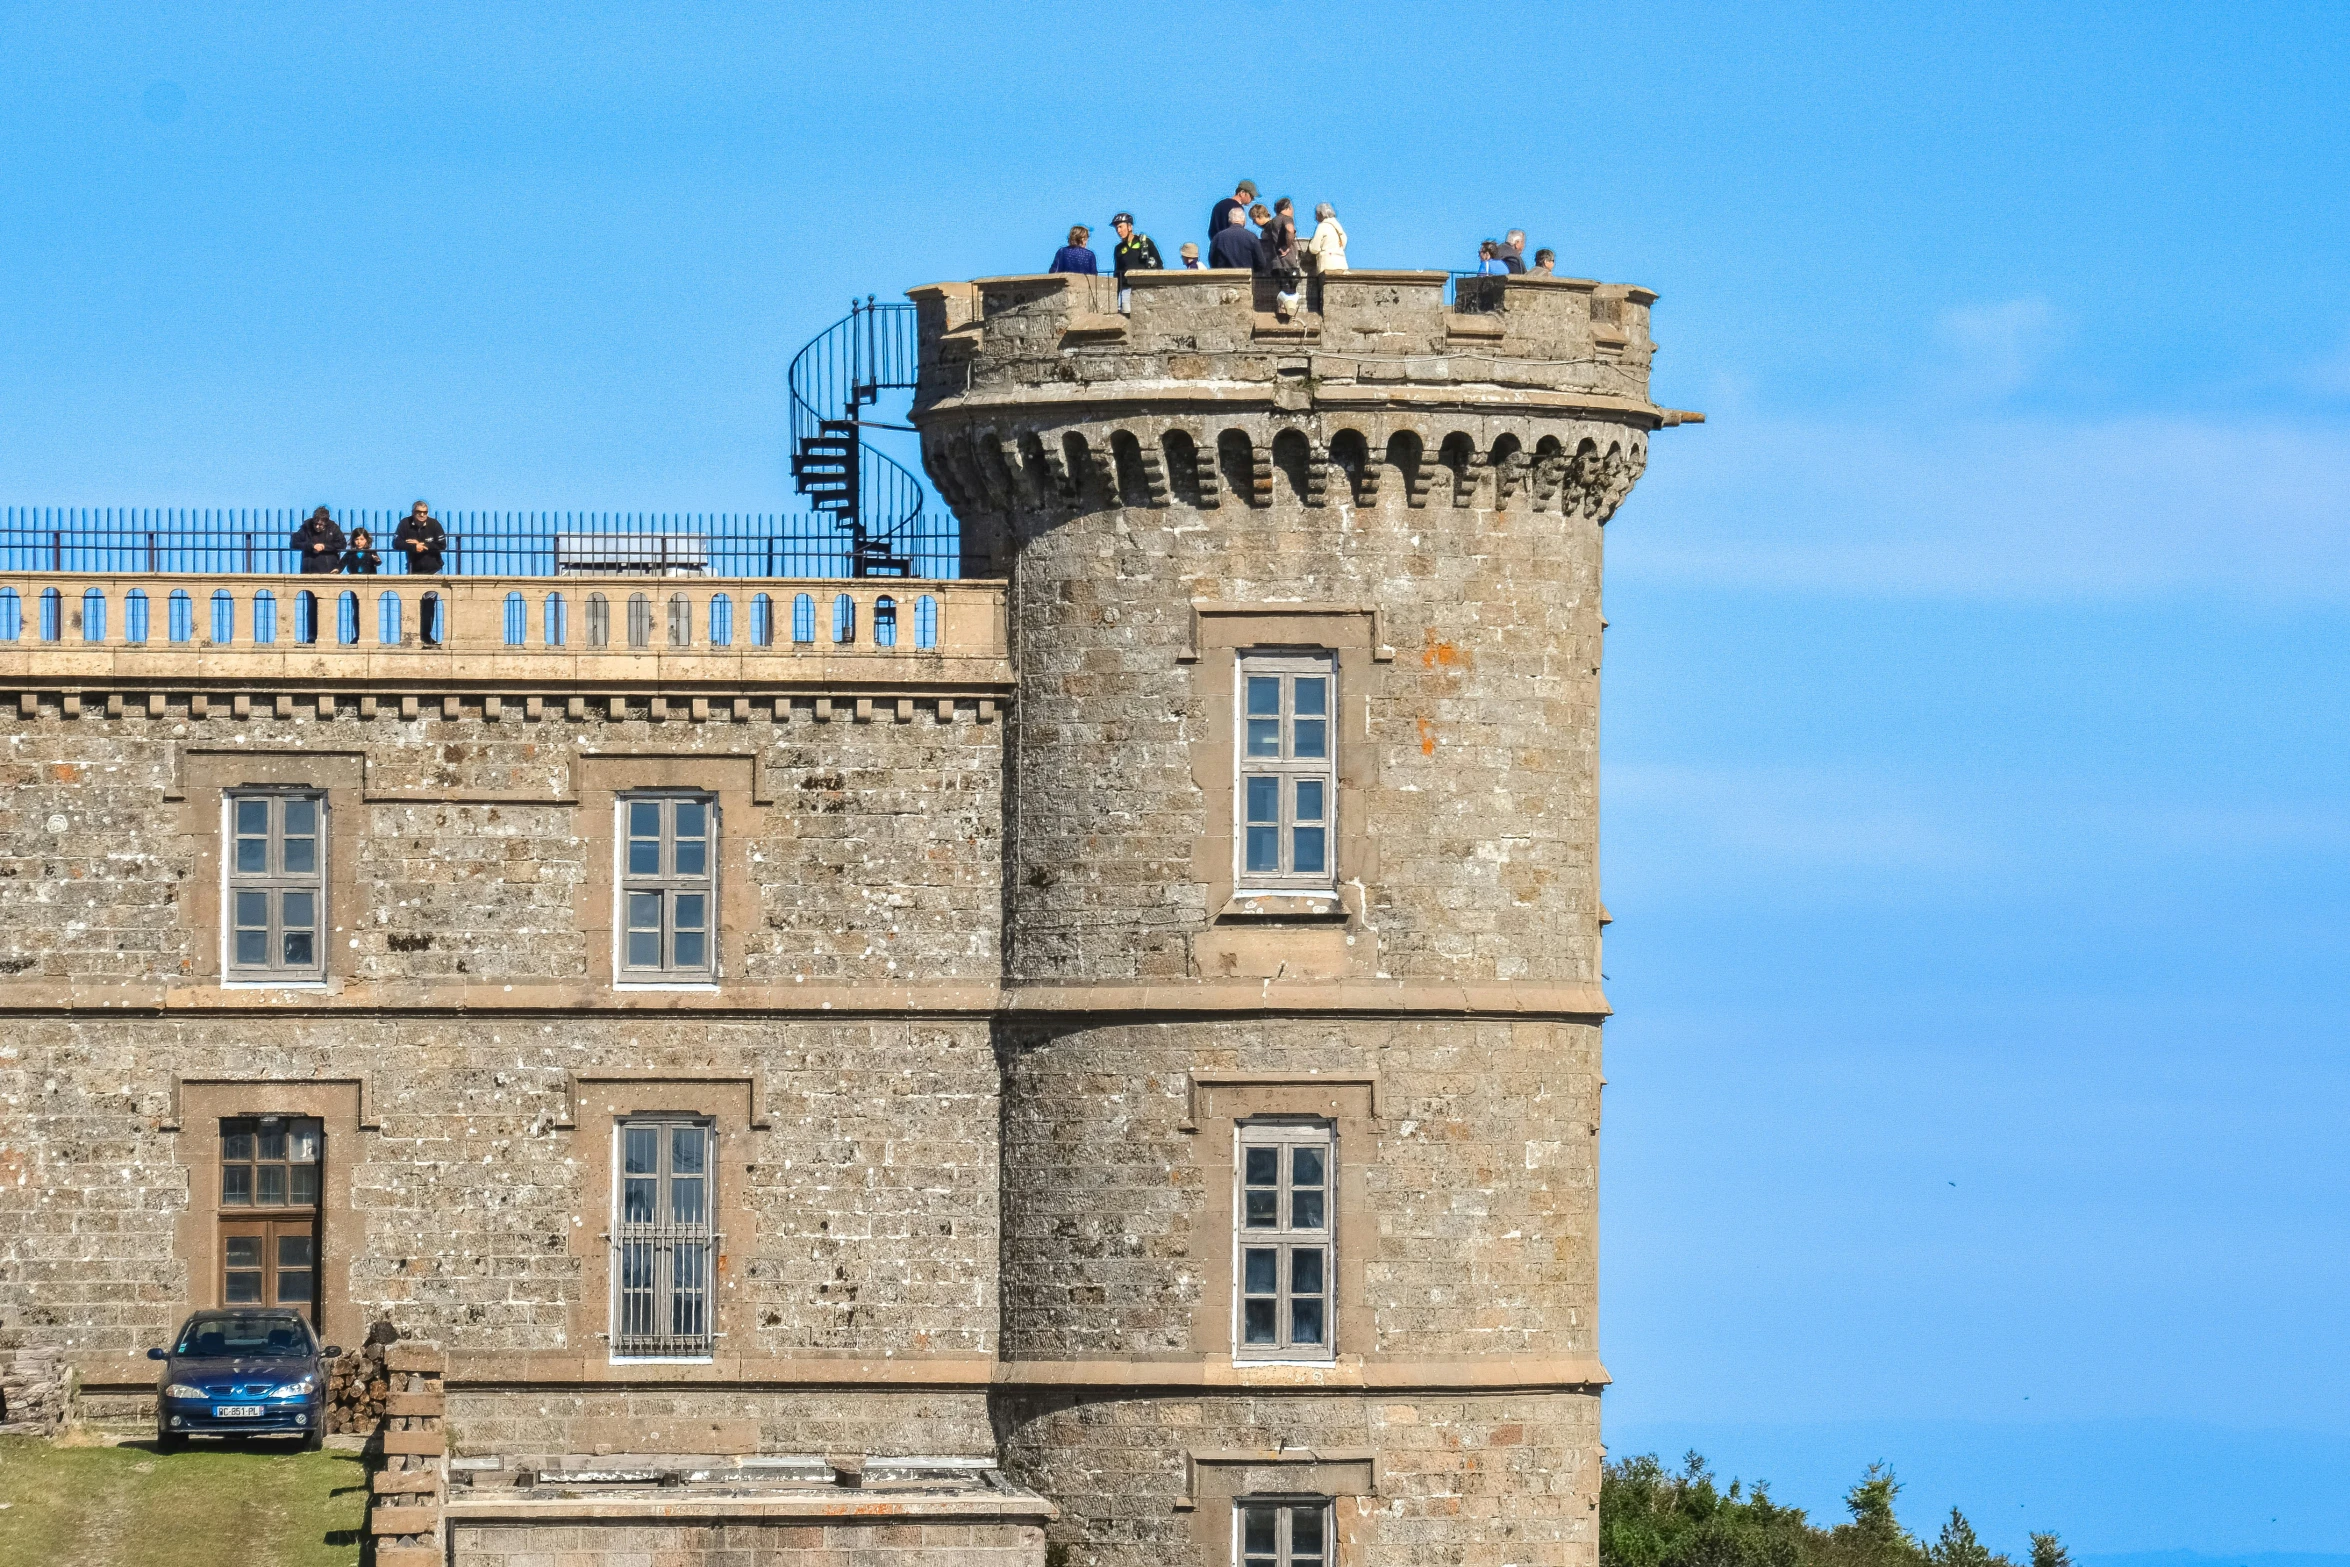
(357, 1384)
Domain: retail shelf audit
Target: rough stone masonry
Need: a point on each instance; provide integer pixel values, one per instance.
(1113, 1076)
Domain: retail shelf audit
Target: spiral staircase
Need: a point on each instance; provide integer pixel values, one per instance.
(875, 501)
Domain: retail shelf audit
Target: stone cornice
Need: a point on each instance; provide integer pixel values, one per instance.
(884, 999)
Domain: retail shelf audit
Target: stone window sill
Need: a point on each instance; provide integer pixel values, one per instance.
(1285, 907)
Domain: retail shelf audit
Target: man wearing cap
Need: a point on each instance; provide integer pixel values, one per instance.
(1221, 219)
(1135, 253)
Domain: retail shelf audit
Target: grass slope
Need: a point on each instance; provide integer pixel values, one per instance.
(208, 1506)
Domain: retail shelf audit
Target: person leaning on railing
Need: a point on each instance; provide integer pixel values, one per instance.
(320, 544)
(419, 537)
(361, 560)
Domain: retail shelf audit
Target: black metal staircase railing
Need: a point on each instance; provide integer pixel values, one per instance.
(874, 501)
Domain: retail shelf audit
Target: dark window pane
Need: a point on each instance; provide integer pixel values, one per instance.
(253, 855)
(1305, 1322)
(271, 1144)
(236, 1145)
(243, 1251)
(1264, 1210)
(300, 949)
(273, 1185)
(253, 947)
(685, 1200)
(644, 856)
(693, 856)
(1264, 1166)
(1305, 1210)
(636, 1199)
(644, 949)
(1306, 851)
(302, 1143)
(1256, 1321)
(641, 1149)
(301, 818)
(1309, 801)
(1305, 1270)
(302, 1187)
(644, 911)
(1305, 1531)
(293, 1287)
(636, 1266)
(252, 817)
(687, 1145)
(644, 818)
(689, 910)
(1305, 1167)
(1264, 848)
(1259, 1270)
(1309, 737)
(1264, 696)
(299, 910)
(236, 1186)
(243, 1289)
(252, 910)
(1257, 1530)
(692, 817)
(1264, 737)
(692, 949)
(301, 856)
(1310, 696)
(293, 1251)
(1264, 799)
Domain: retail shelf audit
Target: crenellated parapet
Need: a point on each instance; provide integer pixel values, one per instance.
(1518, 393)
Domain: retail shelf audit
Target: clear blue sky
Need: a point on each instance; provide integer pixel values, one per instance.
(1975, 750)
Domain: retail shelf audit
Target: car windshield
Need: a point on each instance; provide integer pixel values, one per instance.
(249, 1334)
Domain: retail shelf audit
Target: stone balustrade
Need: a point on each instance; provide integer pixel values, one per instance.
(166, 631)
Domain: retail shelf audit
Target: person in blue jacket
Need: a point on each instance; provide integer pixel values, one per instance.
(1074, 257)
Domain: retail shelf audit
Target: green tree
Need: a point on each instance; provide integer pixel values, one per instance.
(2049, 1551)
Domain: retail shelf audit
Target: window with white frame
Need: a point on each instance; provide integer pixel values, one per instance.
(276, 887)
(1286, 1267)
(1281, 1531)
(662, 1238)
(666, 889)
(1288, 784)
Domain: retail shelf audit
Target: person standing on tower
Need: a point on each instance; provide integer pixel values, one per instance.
(420, 538)
(1221, 219)
(1234, 245)
(1513, 250)
(320, 544)
(1133, 253)
(1326, 246)
(1074, 257)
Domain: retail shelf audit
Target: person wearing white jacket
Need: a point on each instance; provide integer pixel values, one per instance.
(1326, 249)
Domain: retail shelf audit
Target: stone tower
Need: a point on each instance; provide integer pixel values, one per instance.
(1300, 1029)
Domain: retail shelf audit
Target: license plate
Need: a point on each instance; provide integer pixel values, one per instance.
(236, 1411)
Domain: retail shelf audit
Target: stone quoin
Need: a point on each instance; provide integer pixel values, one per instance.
(1113, 1079)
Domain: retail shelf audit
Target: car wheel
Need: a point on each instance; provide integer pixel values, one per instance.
(313, 1440)
(166, 1441)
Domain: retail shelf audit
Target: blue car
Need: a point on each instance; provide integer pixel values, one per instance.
(243, 1373)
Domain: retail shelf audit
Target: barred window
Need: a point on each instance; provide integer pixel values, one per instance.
(1281, 1531)
(1288, 785)
(663, 1239)
(666, 889)
(1286, 1270)
(276, 887)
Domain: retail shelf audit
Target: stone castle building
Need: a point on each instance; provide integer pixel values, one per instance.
(1097, 1061)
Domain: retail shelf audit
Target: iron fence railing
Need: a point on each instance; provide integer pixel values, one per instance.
(480, 543)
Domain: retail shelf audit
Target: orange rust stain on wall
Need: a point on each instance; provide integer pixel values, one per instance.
(1427, 737)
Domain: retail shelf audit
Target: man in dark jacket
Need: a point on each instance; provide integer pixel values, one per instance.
(320, 544)
(1221, 219)
(1234, 245)
(419, 539)
(1135, 252)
